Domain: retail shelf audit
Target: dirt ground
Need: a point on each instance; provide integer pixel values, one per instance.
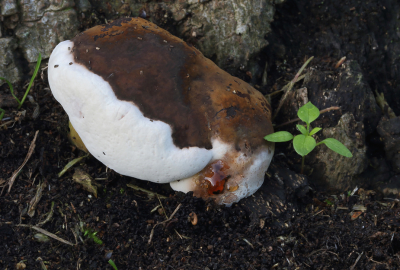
(324, 232)
(317, 231)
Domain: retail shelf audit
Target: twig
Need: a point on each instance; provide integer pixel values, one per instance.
(15, 174)
(163, 222)
(49, 234)
(165, 214)
(333, 253)
(178, 234)
(340, 62)
(149, 193)
(155, 208)
(76, 240)
(6, 123)
(290, 85)
(322, 250)
(248, 242)
(298, 119)
(359, 257)
(78, 263)
(176, 210)
(73, 208)
(318, 212)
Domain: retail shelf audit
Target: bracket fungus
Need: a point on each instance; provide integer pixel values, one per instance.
(150, 106)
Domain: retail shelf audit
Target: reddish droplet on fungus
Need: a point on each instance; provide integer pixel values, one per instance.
(215, 174)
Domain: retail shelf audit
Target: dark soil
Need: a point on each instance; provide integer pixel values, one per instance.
(317, 235)
(313, 230)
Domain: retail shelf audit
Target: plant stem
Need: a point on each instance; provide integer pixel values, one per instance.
(319, 143)
(32, 79)
(2, 113)
(298, 119)
(302, 164)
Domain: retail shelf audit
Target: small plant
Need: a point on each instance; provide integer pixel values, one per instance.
(328, 202)
(91, 234)
(2, 112)
(304, 143)
(111, 262)
(20, 102)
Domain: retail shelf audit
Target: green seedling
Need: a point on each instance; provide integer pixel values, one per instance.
(328, 202)
(304, 143)
(20, 102)
(92, 234)
(111, 262)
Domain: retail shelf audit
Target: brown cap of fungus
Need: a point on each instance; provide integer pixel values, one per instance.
(171, 81)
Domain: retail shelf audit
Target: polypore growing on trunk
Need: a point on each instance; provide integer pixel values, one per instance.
(150, 106)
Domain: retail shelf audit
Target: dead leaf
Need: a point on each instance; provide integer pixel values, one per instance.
(83, 178)
(35, 200)
(150, 194)
(20, 266)
(75, 139)
(49, 234)
(356, 215)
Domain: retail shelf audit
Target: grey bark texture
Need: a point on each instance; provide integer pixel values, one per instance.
(232, 33)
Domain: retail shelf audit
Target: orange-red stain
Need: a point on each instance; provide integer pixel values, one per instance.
(215, 173)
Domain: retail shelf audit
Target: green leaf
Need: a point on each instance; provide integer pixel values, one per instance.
(315, 130)
(32, 79)
(70, 164)
(337, 146)
(302, 129)
(303, 144)
(2, 112)
(308, 112)
(280, 136)
(328, 202)
(111, 262)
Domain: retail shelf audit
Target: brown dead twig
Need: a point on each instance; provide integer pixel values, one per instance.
(15, 174)
(358, 258)
(6, 123)
(287, 88)
(150, 194)
(49, 234)
(340, 62)
(163, 222)
(49, 216)
(324, 251)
